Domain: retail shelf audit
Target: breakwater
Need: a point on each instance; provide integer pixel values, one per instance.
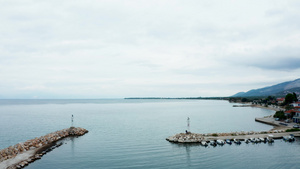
(198, 138)
(277, 133)
(21, 154)
(267, 121)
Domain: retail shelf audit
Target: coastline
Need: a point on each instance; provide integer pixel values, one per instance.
(269, 120)
(258, 106)
(278, 130)
(263, 107)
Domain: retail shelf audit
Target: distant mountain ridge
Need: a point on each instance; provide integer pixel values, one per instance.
(280, 89)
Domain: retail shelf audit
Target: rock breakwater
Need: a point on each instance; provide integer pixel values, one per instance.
(33, 149)
(198, 138)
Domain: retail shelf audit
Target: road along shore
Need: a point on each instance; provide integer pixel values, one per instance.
(21, 154)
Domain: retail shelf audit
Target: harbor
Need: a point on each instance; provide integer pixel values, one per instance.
(278, 132)
(144, 135)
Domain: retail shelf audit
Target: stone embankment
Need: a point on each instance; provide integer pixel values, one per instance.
(198, 138)
(21, 154)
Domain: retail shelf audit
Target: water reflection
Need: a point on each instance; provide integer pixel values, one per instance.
(188, 148)
(72, 146)
(188, 155)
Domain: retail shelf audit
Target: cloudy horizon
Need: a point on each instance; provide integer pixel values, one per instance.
(138, 48)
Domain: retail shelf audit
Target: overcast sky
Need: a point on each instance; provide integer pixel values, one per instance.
(143, 48)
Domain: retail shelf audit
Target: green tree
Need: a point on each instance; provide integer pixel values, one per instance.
(280, 115)
(271, 98)
(295, 96)
(288, 107)
(244, 99)
(290, 98)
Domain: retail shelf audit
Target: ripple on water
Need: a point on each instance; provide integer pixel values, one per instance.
(132, 135)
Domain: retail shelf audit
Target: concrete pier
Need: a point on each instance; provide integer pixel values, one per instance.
(21, 154)
(267, 121)
(277, 124)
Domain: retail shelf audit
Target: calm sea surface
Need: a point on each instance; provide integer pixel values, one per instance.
(131, 134)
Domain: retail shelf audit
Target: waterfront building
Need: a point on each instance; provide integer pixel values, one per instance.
(280, 100)
(296, 104)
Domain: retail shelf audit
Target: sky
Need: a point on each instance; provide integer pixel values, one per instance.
(71, 49)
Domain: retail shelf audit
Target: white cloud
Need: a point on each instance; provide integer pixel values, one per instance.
(95, 49)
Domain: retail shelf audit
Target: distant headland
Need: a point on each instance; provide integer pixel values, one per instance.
(203, 98)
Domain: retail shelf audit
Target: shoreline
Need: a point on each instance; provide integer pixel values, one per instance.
(258, 106)
(269, 108)
(22, 154)
(278, 130)
(269, 120)
(266, 120)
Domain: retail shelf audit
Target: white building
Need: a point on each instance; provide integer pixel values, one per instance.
(296, 104)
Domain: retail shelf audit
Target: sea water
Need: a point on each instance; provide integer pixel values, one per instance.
(131, 133)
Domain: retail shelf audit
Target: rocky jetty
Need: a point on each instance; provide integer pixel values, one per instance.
(197, 138)
(35, 147)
